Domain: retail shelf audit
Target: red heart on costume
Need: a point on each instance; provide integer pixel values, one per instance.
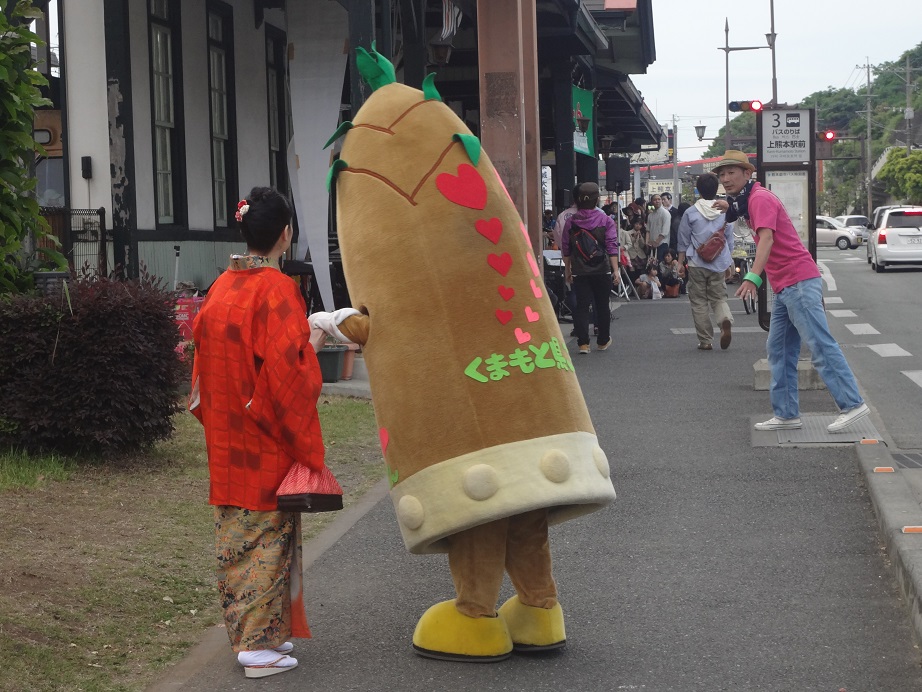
(491, 230)
(531, 315)
(385, 438)
(467, 188)
(521, 336)
(500, 263)
(504, 316)
(507, 292)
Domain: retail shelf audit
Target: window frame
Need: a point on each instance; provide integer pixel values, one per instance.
(176, 147)
(279, 39)
(225, 13)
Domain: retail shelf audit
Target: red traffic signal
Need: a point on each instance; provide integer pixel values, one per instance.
(826, 136)
(745, 106)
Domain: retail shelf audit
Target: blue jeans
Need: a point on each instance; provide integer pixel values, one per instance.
(797, 313)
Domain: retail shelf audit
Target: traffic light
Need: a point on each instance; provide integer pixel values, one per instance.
(826, 136)
(670, 144)
(745, 106)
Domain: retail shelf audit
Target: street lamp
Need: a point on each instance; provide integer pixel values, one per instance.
(727, 49)
(699, 130)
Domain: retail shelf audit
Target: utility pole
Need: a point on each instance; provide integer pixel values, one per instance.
(676, 192)
(908, 114)
(867, 159)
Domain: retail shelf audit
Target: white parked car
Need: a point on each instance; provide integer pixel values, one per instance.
(897, 240)
(831, 233)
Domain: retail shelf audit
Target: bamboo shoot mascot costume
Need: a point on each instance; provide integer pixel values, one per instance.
(483, 426)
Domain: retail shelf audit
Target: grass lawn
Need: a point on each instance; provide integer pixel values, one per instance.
(107, 574)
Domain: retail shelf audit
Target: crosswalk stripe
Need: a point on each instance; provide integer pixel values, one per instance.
(914, 375)
(861, 329)
(842, 313)
(889, 350)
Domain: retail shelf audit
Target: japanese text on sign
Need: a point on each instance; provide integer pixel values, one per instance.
(786, 136)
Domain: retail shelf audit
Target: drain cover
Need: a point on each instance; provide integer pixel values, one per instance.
(814, 431)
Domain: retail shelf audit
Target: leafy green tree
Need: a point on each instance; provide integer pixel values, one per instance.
(743, 125)
(902, 175)
(20, 221)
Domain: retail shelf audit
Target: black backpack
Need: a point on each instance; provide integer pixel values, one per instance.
(587, 247)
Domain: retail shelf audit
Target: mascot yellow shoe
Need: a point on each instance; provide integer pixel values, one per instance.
(534, 629)
(445, 633)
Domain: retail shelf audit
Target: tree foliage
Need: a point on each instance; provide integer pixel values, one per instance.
(902, 175)
(19, 97)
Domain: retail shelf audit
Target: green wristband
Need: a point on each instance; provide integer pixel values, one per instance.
(754, 278)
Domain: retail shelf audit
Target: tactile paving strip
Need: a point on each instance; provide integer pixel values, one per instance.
(814, 431)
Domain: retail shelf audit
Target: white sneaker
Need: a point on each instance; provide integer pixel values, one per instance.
(776, 423)
(846, 418)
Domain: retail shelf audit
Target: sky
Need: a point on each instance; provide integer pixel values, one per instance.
(818, 45)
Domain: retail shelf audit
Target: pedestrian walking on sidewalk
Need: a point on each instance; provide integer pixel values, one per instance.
(590, 254)
(707, 286)
(797, 311)
(255, 385)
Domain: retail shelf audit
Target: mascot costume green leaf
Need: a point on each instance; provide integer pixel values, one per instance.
(483, 427)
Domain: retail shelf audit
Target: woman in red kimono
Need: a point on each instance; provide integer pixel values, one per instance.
(255, 384)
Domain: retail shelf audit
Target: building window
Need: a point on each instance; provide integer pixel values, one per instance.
(165, 85)
(277, 108)
(220, 81)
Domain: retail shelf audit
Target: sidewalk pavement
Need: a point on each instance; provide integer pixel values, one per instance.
(347, 562)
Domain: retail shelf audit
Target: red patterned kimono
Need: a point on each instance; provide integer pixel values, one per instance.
(255, 385)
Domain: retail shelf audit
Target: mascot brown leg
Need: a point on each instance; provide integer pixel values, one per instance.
(533, 615)
(469, 627)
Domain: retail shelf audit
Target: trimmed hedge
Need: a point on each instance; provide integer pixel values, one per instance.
(96, 374)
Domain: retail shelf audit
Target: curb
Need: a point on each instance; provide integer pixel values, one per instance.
(896, 508)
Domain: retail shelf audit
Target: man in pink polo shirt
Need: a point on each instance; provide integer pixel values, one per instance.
(797, 310)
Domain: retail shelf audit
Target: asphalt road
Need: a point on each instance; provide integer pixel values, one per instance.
(721, 566)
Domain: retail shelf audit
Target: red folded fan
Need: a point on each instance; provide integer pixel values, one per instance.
(306, 490)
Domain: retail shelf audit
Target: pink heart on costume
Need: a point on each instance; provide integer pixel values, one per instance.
(466, 189)
(500, 263)
(533, 263)
(535, 289)
(524, 231)
(507, 292)
(504, 316)
(521, 336)
(491, 230)
(531, 315)
(384, 437)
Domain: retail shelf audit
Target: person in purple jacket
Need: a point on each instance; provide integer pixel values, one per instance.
(797, 310)
(589, 245)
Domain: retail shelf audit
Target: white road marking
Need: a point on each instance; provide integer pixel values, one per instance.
(852, 258)
(889, 350)
(827, 276)
(861, 329)
(914, 375)
(833, 300)
(842, 313)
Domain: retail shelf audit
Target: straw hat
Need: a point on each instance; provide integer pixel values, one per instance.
(734, 157)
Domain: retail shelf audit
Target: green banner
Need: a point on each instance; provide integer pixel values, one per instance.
(583, 117)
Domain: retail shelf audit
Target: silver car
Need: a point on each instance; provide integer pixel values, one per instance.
(831, 233)
(860, 224)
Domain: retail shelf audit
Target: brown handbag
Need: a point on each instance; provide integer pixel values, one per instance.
(306, 490)
(710, 248)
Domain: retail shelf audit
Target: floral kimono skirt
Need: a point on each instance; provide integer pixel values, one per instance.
(259, 577)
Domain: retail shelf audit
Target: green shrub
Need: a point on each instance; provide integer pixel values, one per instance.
(96, 373)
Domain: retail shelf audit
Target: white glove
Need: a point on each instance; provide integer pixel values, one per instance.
(330, 321)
